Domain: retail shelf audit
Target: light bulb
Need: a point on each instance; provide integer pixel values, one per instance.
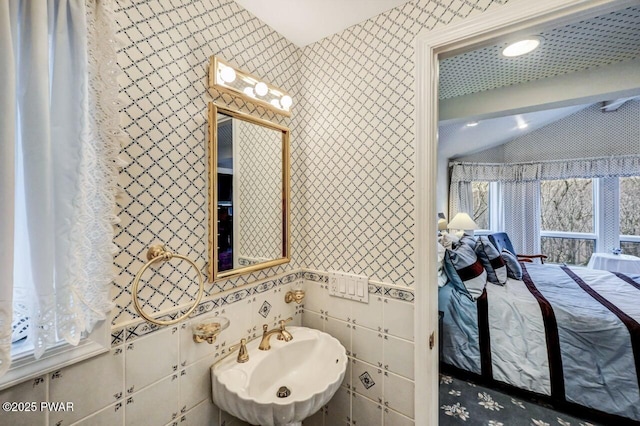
(286, 101)
(276, 103)
(249, 92)
(261, 89)
(228, 74)
(521, 47)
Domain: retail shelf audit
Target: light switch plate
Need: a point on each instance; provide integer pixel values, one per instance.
(349, 286)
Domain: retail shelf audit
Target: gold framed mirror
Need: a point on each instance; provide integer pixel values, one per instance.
(248, 193)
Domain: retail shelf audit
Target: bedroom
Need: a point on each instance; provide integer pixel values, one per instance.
(526, 120)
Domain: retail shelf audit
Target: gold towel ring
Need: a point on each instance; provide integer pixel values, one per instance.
(158, 253)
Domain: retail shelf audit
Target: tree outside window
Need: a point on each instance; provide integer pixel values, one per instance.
(630, 214)
(480, 192)
(567, 206)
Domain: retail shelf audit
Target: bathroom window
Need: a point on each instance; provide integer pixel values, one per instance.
(57, 184)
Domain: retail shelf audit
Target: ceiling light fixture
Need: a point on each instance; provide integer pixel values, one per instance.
(472, 123)
(521, 47)
(225, 78)
(261, 89)
(227, 74)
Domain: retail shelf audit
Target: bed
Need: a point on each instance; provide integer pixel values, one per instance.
(570, 333)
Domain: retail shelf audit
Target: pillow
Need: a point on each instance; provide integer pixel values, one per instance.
(467, 239)
(514, 269)
(491, 260)
(442, 277)
(465, 271)
(449, 240)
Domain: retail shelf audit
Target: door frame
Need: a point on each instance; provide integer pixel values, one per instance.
(516, 18)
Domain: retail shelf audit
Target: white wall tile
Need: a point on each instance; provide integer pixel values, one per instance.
(239, 314)
(34, 390)
(399, 394)
(191, 351)
(113, 415)
(227, 419)
(195, 384)
(269, 308)
(315, 420)
(312, 320)
(368, 314)
(316, 298)
(398, 356)
(154, 405)
(366, 345)
(365, 411)
(104, 374)
(346, 382)
(338, 308)
(391, 418)
(340, 330)
(367, 380)
(339, 408)
(204, 414)
(151, 358)
(398, 318)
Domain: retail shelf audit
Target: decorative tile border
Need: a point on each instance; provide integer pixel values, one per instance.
(142, 328)
(405, 294)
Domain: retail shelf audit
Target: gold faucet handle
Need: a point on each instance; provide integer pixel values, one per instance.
(243, 354)
(284, 321)
(284, 334)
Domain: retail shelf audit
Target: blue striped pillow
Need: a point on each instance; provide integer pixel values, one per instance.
(491, 260)
(514, 269)
(465, 270)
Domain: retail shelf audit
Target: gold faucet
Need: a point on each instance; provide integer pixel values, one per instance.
(243, 354)
(282, 333)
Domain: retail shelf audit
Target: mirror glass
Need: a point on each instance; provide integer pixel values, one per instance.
(249, 193)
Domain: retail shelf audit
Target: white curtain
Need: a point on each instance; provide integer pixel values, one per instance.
(522, 215)
(460, 198)
(519, 199)
(60, 138)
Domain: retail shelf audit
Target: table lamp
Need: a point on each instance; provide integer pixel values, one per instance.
(463, 223)
(442, 224)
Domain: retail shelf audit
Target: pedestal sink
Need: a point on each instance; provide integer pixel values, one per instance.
(283, 385)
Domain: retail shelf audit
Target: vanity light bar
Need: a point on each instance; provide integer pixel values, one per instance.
(226, 78)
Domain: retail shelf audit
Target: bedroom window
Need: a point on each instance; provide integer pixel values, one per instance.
(630, 215)
(481, 210)
(568, 229)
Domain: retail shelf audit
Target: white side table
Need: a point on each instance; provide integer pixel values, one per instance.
(615, 262)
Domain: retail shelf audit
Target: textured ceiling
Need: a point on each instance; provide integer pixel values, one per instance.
(603, 40)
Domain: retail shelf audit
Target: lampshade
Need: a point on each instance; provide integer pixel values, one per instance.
(442, 222)
(462, 221)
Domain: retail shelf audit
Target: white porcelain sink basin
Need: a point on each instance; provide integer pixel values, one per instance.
(311, 366)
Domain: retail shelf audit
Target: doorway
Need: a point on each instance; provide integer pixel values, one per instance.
(515, 18)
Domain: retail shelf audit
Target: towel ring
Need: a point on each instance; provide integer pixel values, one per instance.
(155, 254)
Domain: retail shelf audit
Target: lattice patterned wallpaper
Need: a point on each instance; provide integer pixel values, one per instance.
(259, 174)
(165, 49)
(351, 139)
(357, 107)
(587, 133)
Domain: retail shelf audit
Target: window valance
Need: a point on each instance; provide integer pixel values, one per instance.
(545, 170)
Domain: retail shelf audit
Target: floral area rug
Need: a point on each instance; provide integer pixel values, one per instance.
(465, 403)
